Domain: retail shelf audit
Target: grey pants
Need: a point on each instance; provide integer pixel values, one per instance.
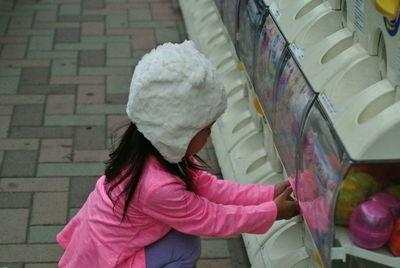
(174, 250)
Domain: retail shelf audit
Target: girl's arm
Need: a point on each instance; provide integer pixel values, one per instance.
(232, 193)
(190, 213)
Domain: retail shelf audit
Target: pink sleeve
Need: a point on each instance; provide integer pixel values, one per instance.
(232, 193)
(190, 213)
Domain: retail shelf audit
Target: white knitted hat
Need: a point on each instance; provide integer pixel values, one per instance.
(175, 92)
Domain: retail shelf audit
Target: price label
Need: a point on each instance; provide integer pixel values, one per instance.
(273, 8)
(297, 51)
(328, 105)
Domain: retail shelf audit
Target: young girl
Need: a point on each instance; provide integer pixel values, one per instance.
(155, 199)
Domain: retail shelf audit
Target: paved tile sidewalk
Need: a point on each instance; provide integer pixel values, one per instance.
(65, 67)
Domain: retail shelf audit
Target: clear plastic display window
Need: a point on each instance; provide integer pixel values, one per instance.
(229, 16)
(292, 98)
(269, 47)
(250, 15)
(321, 164)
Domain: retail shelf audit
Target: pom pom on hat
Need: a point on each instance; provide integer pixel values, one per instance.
(175, 92)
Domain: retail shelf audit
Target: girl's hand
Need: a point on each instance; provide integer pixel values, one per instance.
(280, 187)
(287, 207)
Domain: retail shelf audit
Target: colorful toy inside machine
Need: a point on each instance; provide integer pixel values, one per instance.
(370, 225)
(369, 201)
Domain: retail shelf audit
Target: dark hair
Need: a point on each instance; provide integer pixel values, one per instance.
(127, 162)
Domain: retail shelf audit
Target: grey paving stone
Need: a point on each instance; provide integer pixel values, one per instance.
(117, 98)
(238, 253)
(52, 55)
(74, 120)
(47, 89)
(73, 212)
(11, 265)
(89, 138)
(3, 24)
(41, 265)
(35, 76)
(4, 126)
(139, 14)
(214, 248)
(152, 24)
(41, 43)
(70, 169)
(53, 184)
(56, 150)
(9, 71)
(116, 21)
(30, 32)
(27, 115)
(118, 84)
(41, 132)
(15, 200)
(6, 109)
(1, 158)
(118, 50)
(64, 67)
(43, 213)
(100, 71)
(106, 39)
(214, 263)
(19, 164)
(81, 18)
(19, 144)
(44, 234)
(80, 189)
(7, 4)
(93, 4)
(101, 108)
(131, 62)
(90, 58)
(69, 9)
(167, 35)
(37, 6)
(9, 84)
(70, 35)
(13, 223)
(30, 253)
(90, 94)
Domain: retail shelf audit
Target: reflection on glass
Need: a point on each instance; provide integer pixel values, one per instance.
(293, 97)
(269, 47)
(318, 179)
(250, 14)
(229, 16)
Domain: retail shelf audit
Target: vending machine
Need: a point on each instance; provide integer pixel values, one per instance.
(324, 77)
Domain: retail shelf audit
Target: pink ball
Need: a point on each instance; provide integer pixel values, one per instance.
(370, 225)
(389, 201)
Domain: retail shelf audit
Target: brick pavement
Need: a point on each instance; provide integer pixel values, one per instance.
(65, 67)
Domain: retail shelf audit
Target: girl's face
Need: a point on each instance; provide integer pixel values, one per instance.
(198, 141)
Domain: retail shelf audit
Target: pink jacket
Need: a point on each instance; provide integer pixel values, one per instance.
(96, 238)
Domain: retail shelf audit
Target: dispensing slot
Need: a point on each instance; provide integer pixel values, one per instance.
(241, 124)
(323, 27)
(337, 49)
(377, 106)
(307, 8)
(257, 164)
